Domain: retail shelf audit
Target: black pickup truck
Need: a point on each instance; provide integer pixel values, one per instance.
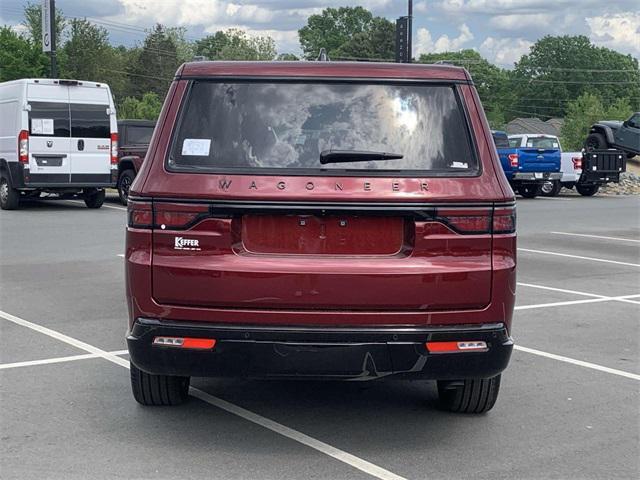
(134, 136)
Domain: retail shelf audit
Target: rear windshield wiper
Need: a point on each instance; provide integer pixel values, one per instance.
(344, 156)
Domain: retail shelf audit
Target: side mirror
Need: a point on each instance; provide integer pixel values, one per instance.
(625, 123)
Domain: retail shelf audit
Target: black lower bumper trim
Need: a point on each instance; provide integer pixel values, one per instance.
(318, 352)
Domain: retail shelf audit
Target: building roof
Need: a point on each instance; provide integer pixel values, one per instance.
(535, 125)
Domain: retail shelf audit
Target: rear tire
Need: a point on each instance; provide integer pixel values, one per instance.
(529, 191)
(587, 190)
(94, 198)
(551, 189)
(158, 390)
(124, 184)
(595, 141)
(473, 396)
(9, 196)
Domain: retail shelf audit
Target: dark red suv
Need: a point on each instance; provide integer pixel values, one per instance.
(321, 220)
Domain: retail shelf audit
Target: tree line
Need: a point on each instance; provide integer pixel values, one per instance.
(561, 76)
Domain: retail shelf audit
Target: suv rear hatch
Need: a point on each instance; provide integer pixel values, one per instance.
(213, 250)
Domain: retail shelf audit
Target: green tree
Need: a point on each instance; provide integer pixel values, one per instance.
(235, 44)
(490, 81)
(287, 57)
(377, 42)
(184, 48)
(19, 57)
(584, 112)
(84, 54)
(33, 22)
(155, 64)
(335, 27)
(560, 69)
(148, 108)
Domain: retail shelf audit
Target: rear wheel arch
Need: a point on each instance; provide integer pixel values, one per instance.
(5, 170)
(126, 163)
(603, 130)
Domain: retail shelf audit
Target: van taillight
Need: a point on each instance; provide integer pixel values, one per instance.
(114, 149)
(504, 220)
(23, 146)
(577, 163)
(513, 159)
(139, 214)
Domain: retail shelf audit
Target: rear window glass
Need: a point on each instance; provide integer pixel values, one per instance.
(515, 142)
(49, 119)
(501, 140)
(285, 126)
(89, 121)
(139, 135)
(542, 142)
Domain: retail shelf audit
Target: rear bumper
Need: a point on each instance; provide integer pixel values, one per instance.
(537, 176)
(319, 352)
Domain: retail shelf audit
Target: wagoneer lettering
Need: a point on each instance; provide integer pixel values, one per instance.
(349, 221)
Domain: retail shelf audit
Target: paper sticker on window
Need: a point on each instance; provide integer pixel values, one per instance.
(529, 144)
(47, 126)
(459, 165)
(555, 145)
(197, 147)
(36, 126)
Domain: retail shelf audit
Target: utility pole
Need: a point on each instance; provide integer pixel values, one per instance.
(49, 33)
(409, 31)
(404, 29)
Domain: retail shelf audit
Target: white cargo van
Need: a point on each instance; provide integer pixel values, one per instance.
(58, 137)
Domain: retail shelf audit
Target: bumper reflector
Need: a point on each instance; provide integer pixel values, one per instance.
(457, 347)
(185, 342)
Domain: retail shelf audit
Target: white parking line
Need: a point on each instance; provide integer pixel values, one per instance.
(341, 455)
(104, 205)
(623, 298)
(545, 252)
(580, 363)
(48, 361)
(597, 236)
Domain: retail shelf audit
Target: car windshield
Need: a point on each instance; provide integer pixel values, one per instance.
(278, 126)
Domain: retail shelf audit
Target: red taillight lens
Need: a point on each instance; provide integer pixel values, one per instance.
(513, 159)
(504, 220)
(178, 216)
(140, 214)
(114, 149)
(577, 163)
(467, 221)
(23, 146)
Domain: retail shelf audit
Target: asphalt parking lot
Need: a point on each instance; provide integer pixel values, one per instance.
(568, 406)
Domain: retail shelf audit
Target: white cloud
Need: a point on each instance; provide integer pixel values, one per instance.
(617, 31)
(249, 12)
(504, 51)
(521, 21)
(425, 43)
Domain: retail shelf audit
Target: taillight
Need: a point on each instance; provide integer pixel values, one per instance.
(23, 146)
(577, 163)
(513, 159)
(165, 216)
(139, 214)
(504, 220)
(178, 216)
(466, 221)
(114, 149)
(185, 342)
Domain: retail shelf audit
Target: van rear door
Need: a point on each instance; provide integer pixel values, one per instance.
(49, 130)
(90, 135)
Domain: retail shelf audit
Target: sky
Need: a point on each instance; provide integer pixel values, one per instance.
(501, 30)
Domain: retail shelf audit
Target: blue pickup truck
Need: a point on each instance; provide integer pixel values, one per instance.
(528, 161)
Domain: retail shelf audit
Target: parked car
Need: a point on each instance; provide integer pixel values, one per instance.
(528, 161)
(623, 136)
(135, 136)
(321, 220)
(58, 137)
